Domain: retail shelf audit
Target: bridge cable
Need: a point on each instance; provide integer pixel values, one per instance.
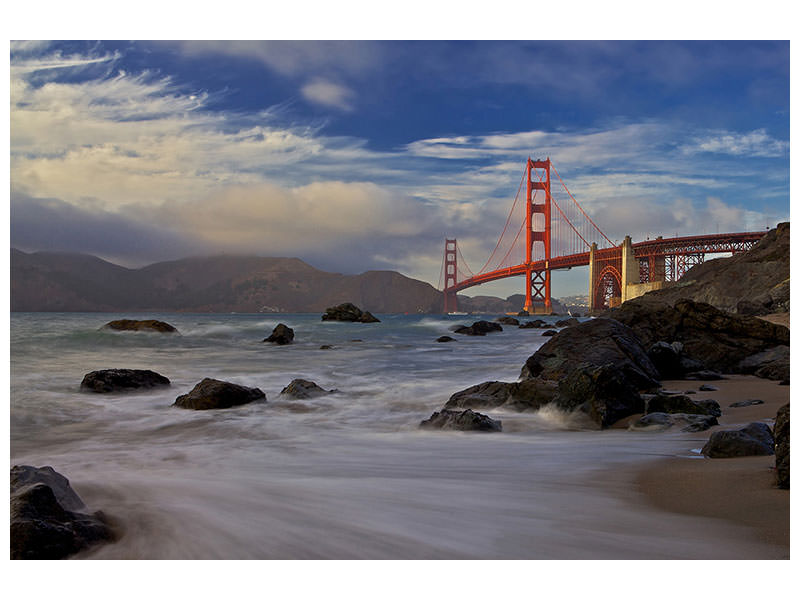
(579, 206)
(508, 220)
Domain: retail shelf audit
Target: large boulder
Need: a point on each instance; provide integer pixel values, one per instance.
(348, 312)
(530, 394)
(48, 519)
(140, 325)
(281, 335)
(769, 364)
(718, 339)
(753, 440)
(212, 393)
(121, 380)
(604, 393)
(596, 342)
(466, 420)
(782, 447)
(303, 389)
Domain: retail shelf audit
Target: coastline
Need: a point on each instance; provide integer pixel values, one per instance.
(737, 491)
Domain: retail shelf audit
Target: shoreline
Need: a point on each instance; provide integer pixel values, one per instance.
(734, 491)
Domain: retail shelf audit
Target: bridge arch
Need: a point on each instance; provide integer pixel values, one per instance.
(609, 285)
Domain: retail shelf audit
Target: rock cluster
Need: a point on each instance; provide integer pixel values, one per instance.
(212, 393)
(478, 328)
(348, 312)
(48, 519)
(140, 325)
(121, 380)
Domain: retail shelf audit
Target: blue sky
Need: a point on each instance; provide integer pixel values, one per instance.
(365, 155)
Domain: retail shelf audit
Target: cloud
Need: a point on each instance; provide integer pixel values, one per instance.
(326, 93)
(754, 143)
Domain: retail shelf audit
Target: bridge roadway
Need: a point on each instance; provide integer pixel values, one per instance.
(698, 244)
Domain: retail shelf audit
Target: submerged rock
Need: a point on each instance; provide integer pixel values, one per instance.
(47, 517)
(753, 440)
(348, 312)
(466, 420)
(212, 394)
(281, 335)
(121, 380)
(445, 338)
(140, 325)
(782, 447)
(302, 389)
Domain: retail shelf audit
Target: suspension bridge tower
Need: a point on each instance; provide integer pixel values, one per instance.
(537, 229)
(450, 273)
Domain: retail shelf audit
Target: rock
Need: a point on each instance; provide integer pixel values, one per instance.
(523, 313)
(596, 342)
(605, 393)
(549, 333)
(753, 440)
(659, 421)
(121, 380)
(745, 403)
(718, 339)
(445, 338)
(531, 394)
(478, 328)
(567, 322)
(680, 404)
(704, 376)
(465, 420)
(707, 387)
(326, 347)
(281, 335)
(348, 312)
(772, 363)
(667, 359)
(303, 389)
(212, 394)
(140, 325)
(508, 321)
(47, 518)
(782, 447)
(535, 324)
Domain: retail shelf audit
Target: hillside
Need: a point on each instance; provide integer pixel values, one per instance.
(46, 281)
(755, 282)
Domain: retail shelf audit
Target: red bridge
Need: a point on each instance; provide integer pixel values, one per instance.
(559, 234)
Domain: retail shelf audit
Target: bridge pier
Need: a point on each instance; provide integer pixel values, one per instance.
(630, 269)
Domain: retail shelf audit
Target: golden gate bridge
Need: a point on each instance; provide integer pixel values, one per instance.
(559, 234)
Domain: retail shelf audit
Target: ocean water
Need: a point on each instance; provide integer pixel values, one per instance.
(344, 476)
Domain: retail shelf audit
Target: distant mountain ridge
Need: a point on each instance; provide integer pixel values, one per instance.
(52, 281)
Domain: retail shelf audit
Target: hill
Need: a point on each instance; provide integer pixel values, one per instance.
(48, 281)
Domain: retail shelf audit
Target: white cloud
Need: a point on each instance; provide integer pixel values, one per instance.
(326, 93)
(755, 143)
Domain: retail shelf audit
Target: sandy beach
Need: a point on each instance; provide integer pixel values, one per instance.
(739, 491)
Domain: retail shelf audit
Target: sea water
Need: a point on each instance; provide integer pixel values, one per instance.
(342, 476)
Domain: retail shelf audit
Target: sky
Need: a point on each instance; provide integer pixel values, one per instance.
(367, 155)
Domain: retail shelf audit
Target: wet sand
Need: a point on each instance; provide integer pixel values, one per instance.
(740, 491)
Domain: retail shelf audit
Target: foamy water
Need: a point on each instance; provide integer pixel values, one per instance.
(348, 475)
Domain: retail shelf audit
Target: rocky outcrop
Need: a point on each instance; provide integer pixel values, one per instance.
(48, 519)
(718, 339)
(596, 342)
(769, 364)
(535, 324)
(567, 322)
(212, 394)
(782, 447)
(659, 421)
(140, 325)
(281, 335)
(508, 321)
(121, 380)
(531, 394)
(466, 420)
(753, 440)
(348, 312)
(303, 389)
(478, 328)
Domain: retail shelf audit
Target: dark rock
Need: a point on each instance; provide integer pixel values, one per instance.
(549, 333)
(47, 518)
(720, 340)
(508, 321)
(281, 335)
(704, 376)
(784, 382)
(535, 324)
(745, 403)
(530, 394)
(567, 322)
(667, 360)
(465, 420)
(303, 389)
(707, 387)
(326, 347)
(596, 342)
(348, 312)
(605, 393)
(680, 404)
(772, 363)
(121, 380)
(689, 364)
(753, 440)
(523, 313)
(445, 338)
(212, 393)
(140, 325)
(782, 447)
(478, 328)
(660, 421)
